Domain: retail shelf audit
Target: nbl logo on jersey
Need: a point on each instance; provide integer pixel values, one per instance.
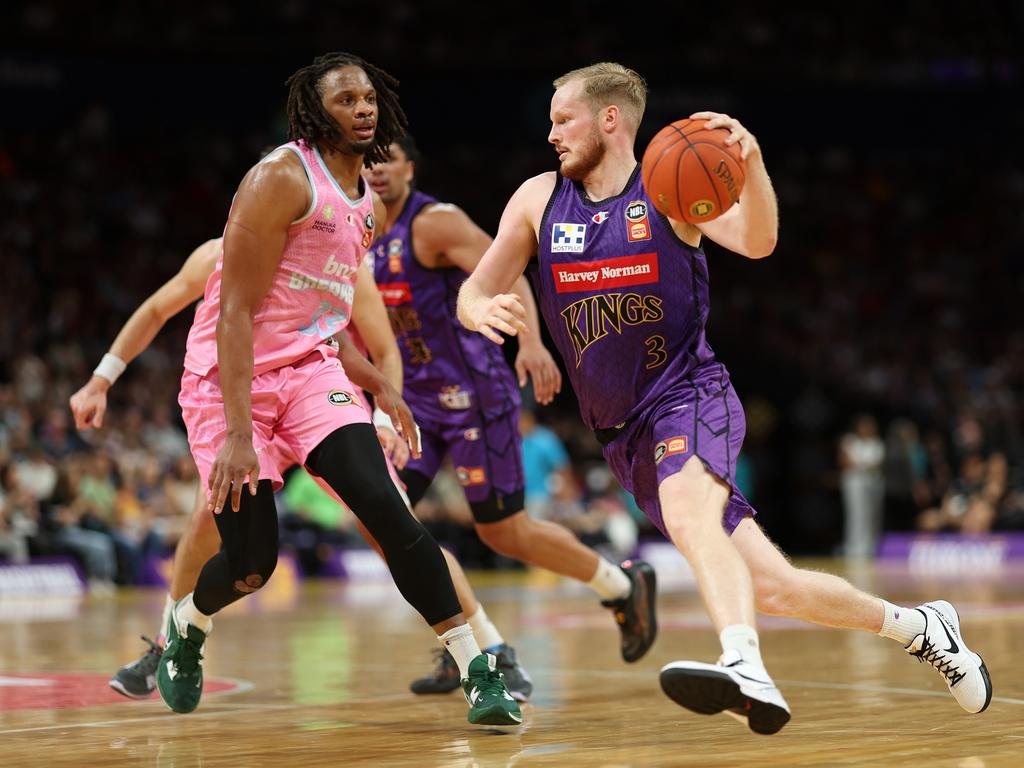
(638, 226)
(339, 397)
(568, 238)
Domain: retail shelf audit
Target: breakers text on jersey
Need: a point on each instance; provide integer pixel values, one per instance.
(590, 319)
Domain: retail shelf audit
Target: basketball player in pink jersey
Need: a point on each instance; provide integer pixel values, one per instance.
(624, 291)
(201, 540)
(259, 373)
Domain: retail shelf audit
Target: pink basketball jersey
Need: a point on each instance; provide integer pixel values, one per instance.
(310, 297)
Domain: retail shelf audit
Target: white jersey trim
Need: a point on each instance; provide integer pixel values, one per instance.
(312, 185)
(334, 181)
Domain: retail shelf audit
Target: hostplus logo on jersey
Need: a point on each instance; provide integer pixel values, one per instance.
(568, 238)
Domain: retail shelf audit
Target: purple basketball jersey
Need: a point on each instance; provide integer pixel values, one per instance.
(449, 371)
(625, 300)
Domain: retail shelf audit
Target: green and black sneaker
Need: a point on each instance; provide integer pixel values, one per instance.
(490, 703)
(179, 676)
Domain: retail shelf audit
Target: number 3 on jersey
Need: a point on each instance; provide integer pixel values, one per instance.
(656, 350)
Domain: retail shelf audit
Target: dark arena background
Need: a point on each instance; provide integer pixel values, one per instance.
(879, 355)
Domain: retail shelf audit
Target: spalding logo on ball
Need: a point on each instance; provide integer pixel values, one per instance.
(690, 173)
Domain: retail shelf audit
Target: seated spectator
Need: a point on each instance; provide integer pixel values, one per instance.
(19, 514)
(971, 503)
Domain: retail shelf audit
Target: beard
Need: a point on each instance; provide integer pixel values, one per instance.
(585, 159)
(360, 146)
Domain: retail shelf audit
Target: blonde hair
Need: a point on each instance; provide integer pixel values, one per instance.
(610, 83)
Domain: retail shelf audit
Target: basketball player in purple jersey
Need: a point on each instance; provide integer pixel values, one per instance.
(260, 376)
(624, 292)
(466, 402)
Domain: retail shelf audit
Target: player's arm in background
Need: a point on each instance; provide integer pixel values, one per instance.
(751, 226)
(89, 404)
(362, 373)
(446, 237)
(485, 303)
(370, 319)
(273, 194)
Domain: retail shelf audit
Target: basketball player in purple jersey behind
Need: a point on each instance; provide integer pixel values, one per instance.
(260, 373)
(466, 403)
(624, 291)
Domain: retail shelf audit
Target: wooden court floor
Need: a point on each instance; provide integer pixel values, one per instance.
(317, 675)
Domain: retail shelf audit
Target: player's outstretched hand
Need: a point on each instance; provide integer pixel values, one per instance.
(389, 401)
(235, 461)
(89, 404)
(737, 133)
(394, 447)
(535, 361)
(504, 313)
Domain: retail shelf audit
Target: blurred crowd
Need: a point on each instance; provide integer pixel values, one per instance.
(879, 352)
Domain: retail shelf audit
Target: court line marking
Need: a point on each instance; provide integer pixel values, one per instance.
(209, 710)
(238, 709)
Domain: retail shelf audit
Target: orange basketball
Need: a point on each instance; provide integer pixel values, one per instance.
(689, 172)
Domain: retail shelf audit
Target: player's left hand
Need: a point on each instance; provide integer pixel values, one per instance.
(394, 448)
(389, 401)
(535, 361)
(737, 133)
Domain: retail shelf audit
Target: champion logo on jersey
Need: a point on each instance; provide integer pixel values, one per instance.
(598, 218)
(568, 238)
(618, 272)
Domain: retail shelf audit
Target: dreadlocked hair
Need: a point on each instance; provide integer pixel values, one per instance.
(309, 121)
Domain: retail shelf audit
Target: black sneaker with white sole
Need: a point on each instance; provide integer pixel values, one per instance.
(732, 686)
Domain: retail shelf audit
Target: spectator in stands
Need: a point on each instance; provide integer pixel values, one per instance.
(546, 467)
(19, 513)
(861, 453)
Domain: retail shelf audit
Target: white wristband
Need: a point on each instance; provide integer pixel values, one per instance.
(381, 419)
(110, 367)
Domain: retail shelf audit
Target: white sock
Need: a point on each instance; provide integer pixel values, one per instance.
(187, 612)
(742, 638)
(610, 581)
(486, 634)
(461, 644)
(165, 620)
(901, 624)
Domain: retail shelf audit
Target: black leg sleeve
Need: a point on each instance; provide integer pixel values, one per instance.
(350, 459)
(248, 552)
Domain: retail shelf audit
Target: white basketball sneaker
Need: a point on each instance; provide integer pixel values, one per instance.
(942, 646)
(733, 686)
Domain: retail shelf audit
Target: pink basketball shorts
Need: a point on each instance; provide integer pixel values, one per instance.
(293, 409)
